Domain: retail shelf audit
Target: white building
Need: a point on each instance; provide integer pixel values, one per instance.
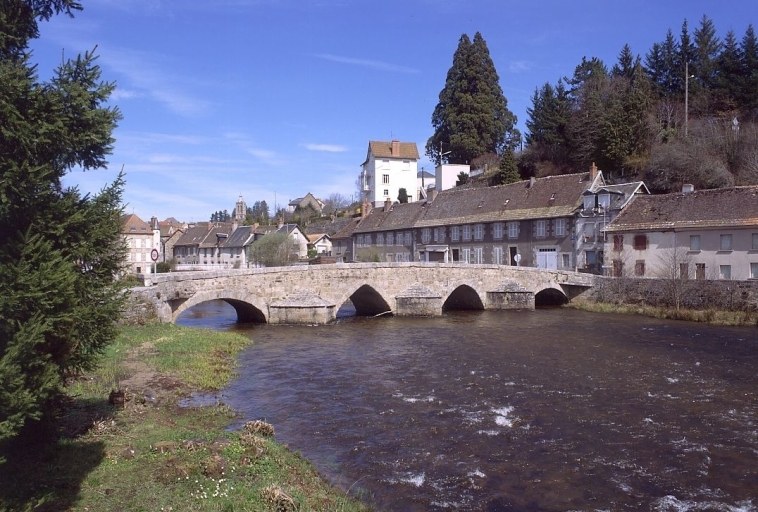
(389, 166)
(141, 238)
(446, 175)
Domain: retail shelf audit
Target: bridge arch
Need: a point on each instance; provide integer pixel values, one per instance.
(248, 308)
(463, 297)
(550, 296)
(368, 301)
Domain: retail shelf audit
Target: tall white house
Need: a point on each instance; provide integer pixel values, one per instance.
(389, 166)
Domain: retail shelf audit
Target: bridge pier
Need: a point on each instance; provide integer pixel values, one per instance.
(302, 308)
(510, 296)
(418, 301)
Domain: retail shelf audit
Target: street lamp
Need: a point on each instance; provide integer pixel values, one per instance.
(687, 77)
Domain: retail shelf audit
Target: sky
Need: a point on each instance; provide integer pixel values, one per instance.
(272, 99)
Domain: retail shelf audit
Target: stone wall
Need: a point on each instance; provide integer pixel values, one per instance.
(689, 294)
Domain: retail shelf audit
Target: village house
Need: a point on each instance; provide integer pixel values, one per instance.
(307, 203)
(704, 234)
(389, 166)
(320, 243)
(141, 238)
(387, 233)
(200, 245)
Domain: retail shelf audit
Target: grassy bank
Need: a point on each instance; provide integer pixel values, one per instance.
(710, 316)
(150, 454)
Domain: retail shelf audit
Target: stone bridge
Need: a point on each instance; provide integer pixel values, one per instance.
(313, 294)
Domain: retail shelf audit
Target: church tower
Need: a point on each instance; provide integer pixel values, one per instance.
(240, 210)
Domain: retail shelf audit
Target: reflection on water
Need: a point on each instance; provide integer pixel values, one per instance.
(547, 410)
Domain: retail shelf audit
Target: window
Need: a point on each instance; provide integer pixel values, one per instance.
(455, 233)
(467, 232)
(380, 239)
(725, 243)
(694, 242)
(513, 229)
(639, 268)
(390, 238)
(498, 230)
(497, 255)
(386, 193)
(408, 238)
(566, 260)
(700, 271)
(725, 271)
(560, 227)
(466, 255)
(426, 235)
(618, 243)
(479, 232)
(478, 255)
(540, 229)
(684, 271)
(618, 268)
(755, 242)
(754, 271)
(640, 242)
(439, 234)
(385, 179)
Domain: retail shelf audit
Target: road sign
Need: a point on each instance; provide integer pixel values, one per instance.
(154, 254)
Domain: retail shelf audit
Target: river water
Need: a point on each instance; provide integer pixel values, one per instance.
(547, 410)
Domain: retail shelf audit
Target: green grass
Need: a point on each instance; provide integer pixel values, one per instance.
(158, 456)
(710, 316)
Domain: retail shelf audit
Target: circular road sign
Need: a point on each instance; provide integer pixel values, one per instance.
(154, 254)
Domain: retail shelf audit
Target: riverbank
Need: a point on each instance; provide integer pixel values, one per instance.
(140, 450)
(710, 316)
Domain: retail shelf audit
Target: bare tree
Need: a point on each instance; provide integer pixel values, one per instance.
(674, 270)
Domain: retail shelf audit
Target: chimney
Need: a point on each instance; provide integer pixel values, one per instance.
(688, 188)
(365, 207)
(593, 172)
(395, 148)
(387, 204)
(431, 195)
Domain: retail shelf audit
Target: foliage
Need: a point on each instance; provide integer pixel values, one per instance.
(507, 171)
(220, 216)
(472, 116)
(259, 214)
(402, 196)
(462, 178)
(273, 250)
(631, 121)
(61, 251)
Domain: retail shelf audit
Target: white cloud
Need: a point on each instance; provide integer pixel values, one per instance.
(520, 66)
(366, 63)
(327, 148)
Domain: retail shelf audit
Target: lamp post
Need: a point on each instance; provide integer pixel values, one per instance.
(686, 95)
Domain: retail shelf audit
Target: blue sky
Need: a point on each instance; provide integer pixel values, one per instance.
(272, 99)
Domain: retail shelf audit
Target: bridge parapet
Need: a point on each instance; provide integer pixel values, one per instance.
(313, 294)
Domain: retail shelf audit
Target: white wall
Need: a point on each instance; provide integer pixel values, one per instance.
(447, 174)
(402, 174)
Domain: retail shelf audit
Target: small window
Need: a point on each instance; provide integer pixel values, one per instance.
(618, 268)
(725, 271)
(513, 230)
(479, 232)
(498, 230)
(754, 246)
(478, 255)
(497, 255)
(618, 243)
(380, 239)
(425, 235)
(754, 271)
(466, 255)
(566, 260)
(390, 238)
(560, 227)
(455, 233)
(639, 268)
(540, 229)
(725, 243)
(385, 179)
(386, 193)
(700, 271)
(694, 242)
(640, 242)
(467, 232)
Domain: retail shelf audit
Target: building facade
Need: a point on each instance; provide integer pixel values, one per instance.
(389, 166)
(705, 234)
(141, 238)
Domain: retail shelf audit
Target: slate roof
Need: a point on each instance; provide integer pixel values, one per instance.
(622, 193)
(399, 216)
(240, 237)
(383, 149)
(330, 227)
(347, 230)
(203, 234)
(552, 196)
(701, 209)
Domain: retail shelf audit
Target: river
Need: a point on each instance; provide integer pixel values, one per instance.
(547, 410)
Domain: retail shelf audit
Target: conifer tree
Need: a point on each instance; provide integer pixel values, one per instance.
(472, 116)
(61, 251)
(507, 171)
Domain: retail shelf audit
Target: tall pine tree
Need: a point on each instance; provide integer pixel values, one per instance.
(472, 116)
(61, 252)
